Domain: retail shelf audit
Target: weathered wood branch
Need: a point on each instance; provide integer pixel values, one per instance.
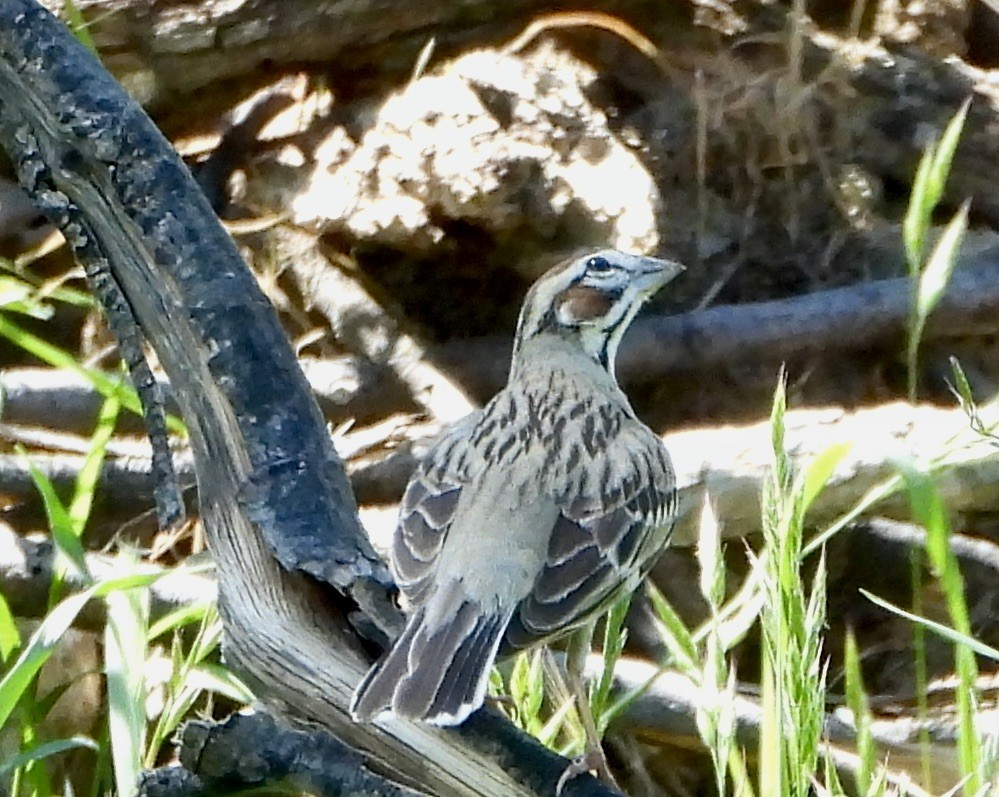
(366, 329)
(667, 714)
(254, 750)
(728, 464)
(27, 566)
(347, 388)
(855, 317)
(171, 50)
(278, 511)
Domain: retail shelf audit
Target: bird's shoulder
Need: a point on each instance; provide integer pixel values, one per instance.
(448, 458)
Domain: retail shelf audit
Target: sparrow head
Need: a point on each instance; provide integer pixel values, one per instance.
(592, 299)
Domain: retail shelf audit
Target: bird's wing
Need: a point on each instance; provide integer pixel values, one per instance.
(604, 540)
(428, 508)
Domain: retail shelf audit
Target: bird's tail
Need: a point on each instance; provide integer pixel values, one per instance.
(436, 671)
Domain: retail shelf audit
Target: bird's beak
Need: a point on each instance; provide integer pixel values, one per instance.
(655, 273)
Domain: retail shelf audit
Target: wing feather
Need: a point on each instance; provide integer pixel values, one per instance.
(558, 580)
(603, 542)
(427, 511)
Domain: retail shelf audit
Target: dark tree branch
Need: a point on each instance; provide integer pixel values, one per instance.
(250, 751)
(855, 317)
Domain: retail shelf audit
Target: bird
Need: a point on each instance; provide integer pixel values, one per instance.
(531, 516)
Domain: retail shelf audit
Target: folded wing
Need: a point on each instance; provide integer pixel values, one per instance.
(603, 543)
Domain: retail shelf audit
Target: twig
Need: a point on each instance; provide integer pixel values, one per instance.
(347, 388)
(592, 19)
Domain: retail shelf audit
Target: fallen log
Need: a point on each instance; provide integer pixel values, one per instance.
(726, 464)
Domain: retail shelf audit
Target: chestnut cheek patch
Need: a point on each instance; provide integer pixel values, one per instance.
(581, 304)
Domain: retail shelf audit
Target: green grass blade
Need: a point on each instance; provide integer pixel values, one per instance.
(920, 670)
(46, 750)
(37, 651)
(18, 296)
(218, 679)
(967, 699)
(940, 629)
(927, 189)
(674, 634)
(533, 694)
(124, 661)
(742, 785)
(929, 510)
(770, 767)
(517, 684)
(181, 701)
(189, 682)
(64, 535)
(10, 637)
(41, 644)
(935, 276)
(746, 607)
(917, 215)
(548, 733)
(781, 469)
(78, 26)
(961, 388)
(710, 565)
(534, 688)
(929, 280)
(35, 773)
(791, 622)
(59, 358)
(184, 615)
(943, 155)
(816, 476)
(87, 478)
(776, 747)
(615, 637)
(856, 699)
(45, 289)
(55, 290)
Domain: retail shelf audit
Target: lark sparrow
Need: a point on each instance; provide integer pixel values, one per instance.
(531, 516)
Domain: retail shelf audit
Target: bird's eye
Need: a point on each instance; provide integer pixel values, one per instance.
(600, 265)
